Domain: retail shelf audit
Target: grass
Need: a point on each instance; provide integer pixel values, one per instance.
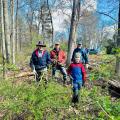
(29, 101)
(54, 102)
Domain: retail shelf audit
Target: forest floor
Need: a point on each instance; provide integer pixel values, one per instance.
(22, 99)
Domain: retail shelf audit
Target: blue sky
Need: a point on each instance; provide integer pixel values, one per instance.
(109, 7)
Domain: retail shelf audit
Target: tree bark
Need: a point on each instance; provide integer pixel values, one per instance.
(3, 39)
(118, 45)
(17, 30)
(0, 29)
(7, 30)
(13, 31)
(73, 31)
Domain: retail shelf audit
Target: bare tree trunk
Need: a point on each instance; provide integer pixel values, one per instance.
(7, 30)
(16, 27)
(20, 39)
(73, 28)
(3, 39)
(0, 30)
(30, 28)
(13, 31)
(118, 45)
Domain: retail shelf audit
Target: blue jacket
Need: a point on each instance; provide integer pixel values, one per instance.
(77, 71)
(40, 62)
(84, 57)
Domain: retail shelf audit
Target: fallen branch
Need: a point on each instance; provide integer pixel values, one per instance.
(23, 74)
(104, 111)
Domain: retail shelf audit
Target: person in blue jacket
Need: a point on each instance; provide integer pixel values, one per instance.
(83, 55)
(39, 62)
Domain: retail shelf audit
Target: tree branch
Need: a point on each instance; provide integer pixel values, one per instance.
(106, 15)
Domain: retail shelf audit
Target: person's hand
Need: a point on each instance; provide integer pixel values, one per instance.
(59, 63)
(54, 61)
(34, 71)
(87, 65)
(48, 66)
(86, 84)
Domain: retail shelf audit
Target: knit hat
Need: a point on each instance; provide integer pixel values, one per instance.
(77, 55)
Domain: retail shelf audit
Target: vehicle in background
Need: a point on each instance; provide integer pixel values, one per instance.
(94, 51)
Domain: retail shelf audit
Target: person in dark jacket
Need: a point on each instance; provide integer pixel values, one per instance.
(77, 74)
(39, 61)
(83, 55)
(58, 58)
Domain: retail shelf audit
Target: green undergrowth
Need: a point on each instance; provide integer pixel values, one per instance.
(30, 101)
(105, 69)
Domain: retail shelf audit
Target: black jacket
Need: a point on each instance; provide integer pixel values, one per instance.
(84, 57)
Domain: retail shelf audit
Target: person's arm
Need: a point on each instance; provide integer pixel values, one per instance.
(31, 62)
(85, 58)
(48, 58)
(83, 73)
(69, 70)
(63, 58)
(51, 56)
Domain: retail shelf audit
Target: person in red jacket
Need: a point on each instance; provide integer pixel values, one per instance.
(77, 73)
(58, 58)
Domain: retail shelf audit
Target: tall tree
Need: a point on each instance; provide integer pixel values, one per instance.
(47, 23)
(73, 28)
(13, 30)
(7, 30)
(118, 44)
(3, 38)
(16, 29)
(0, 29)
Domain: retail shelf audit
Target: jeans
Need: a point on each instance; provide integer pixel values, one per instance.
(62, 70)
(76, 87)
(42, 75)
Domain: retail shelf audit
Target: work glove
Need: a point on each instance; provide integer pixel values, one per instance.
(54, 61)
(34, 71)
(87, 65)
(48, 66)
(59, 63)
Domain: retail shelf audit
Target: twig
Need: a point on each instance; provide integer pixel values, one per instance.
(104, 111)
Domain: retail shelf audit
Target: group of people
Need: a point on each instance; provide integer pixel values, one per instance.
(41, 59)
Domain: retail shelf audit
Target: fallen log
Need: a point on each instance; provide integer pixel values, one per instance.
(114, 88)
(23, 74)
(115, 83)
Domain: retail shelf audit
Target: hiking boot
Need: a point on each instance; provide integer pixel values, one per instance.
(75, 99)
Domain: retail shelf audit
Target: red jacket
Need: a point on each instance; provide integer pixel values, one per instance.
(61, 56)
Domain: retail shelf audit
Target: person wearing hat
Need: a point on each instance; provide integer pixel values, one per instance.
(58, 58)
(39, 61)
(77, 73)
(82, 53)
